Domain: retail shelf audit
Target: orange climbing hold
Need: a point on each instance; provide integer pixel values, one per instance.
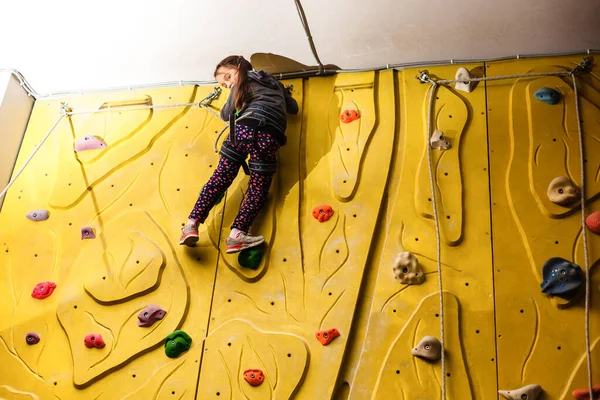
(593, 222)
(325, 337)
(349, 115)
(584, 394)
(322, 213)
(255, 377)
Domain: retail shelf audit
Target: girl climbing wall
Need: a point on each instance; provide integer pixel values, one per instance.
(260, 102)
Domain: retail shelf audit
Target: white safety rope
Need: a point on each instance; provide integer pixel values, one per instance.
(434, 87)
(62, 115)
(424, 78)
(584, 238)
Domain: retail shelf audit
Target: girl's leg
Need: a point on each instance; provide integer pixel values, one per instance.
(265, 150)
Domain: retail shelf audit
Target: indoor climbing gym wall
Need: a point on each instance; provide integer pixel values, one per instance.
(369, 285)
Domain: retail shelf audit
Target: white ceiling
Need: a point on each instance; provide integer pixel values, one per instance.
(84, 44)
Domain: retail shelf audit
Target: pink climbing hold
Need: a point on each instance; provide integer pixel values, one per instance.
(89, 143)
(94, 340)
(43, 290)
(87, 233)
(149, 315)
(38, 215)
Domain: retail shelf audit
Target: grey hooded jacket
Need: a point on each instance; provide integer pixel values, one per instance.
(269, 104)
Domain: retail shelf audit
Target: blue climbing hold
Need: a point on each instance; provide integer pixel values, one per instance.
(548, 96)
(561, 277)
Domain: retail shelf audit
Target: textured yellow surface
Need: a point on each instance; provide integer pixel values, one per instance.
(541, 340)
(501, 331)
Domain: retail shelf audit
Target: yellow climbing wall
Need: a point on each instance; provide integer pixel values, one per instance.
(497, 229)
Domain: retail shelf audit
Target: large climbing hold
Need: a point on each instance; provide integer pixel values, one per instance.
(463, 76)
(563, 191)
(176, 343)
(560, 277)
(584, 394)
(94, 340)
(254, 377)
(529, 392)
(87, 233)
(89, 143)
(149, 315)
(348, 116)
(439, 141)
(43, 290)
(429, 348)
(407, 269)
(252, 257)
(326, 336)
(322, 213)
(32, 338)
(38, 215)
(593, 222)
(548, 95)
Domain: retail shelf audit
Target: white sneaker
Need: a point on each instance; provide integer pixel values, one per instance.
(243, 241)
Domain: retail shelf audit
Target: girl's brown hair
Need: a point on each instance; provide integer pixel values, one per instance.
(243, 93)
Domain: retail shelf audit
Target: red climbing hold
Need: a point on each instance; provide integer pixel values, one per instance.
(593, 222)
(349, 116)
(255, 377)
(43, 290)
(94, 340)
(322, 213)
(89, 143)
(584, 394)
(87, 233)
(325, 337)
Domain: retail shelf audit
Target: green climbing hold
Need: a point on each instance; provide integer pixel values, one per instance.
(219, 199)
(176, 343)
(251, 258)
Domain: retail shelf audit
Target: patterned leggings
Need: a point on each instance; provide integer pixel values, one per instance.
(263, 148)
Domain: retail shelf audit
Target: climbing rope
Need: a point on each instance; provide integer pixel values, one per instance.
(304, 22)
(586, 65)
(434, 87)
(584, 238)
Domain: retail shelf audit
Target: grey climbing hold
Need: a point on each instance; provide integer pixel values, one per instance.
(462, 74)
(32, 338)
(439, 141)
(407, 269)
(87, 233)
(548, 95)
(38, 215)
(563, 191)
(529, 392)
(429, 348)
(149, 315)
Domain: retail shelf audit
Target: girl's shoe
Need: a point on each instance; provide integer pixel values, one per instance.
(189, 236)
(243, 241)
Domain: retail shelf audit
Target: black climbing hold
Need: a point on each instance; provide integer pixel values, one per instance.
(561, 277)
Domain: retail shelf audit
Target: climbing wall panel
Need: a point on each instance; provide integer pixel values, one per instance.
(402, 313)
(133, 193)
(338, 154)
(541, 338)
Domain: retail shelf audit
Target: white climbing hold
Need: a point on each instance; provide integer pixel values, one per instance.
(439, 141)
(462, 74)
(407, 269)
(429, 348)
(529, 392)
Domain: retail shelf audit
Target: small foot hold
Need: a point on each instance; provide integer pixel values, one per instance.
(463, 76)
(254, 377)
(439, 141)
(548, 95)
(407, 269)
(322, 213)
(32, 338)
(43, 290)
(348, 116)
(176, 343)
(149, 315)
(529, 392)
(38, 215)
(429, 348)
(593, 222)
(87, 233)
(251, 258)
(563, 191)
(561, 277)
(89, 143)
(325, 337)
(94, 340)
(584, 394)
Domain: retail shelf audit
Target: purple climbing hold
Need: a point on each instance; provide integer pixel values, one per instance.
(149, 315)
(89, 143)
(32, 338)
(87, 233)
(38, 215)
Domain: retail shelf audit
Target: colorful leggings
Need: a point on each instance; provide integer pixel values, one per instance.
(263, 148)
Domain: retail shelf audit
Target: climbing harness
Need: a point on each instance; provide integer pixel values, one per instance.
(585, 66)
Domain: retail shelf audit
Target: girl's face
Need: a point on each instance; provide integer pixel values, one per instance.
(227, 76)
